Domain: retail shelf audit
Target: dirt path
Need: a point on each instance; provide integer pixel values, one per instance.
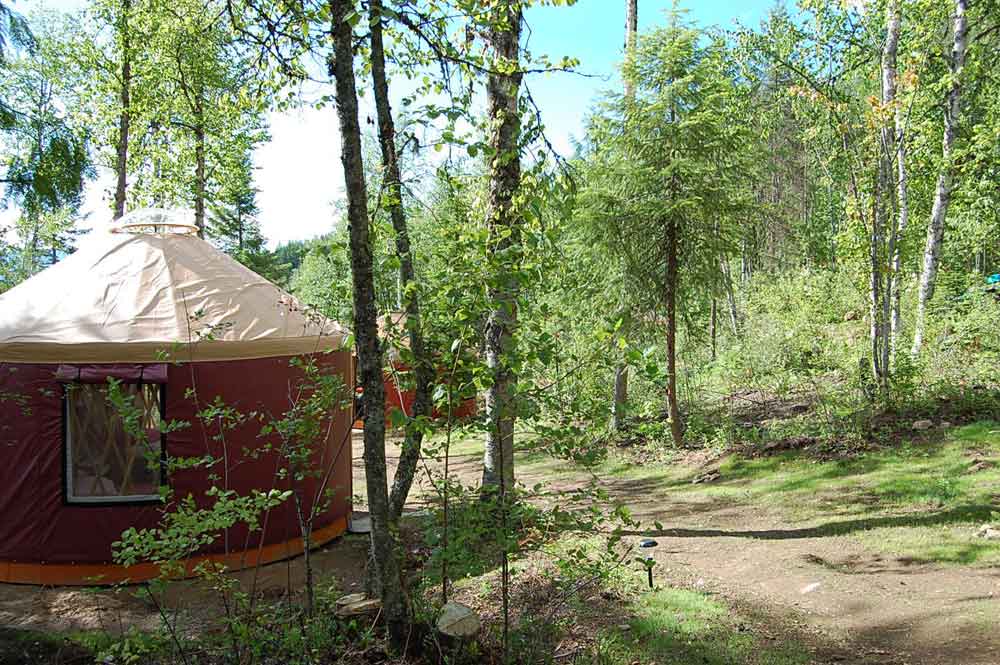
(808, 581)
(852, 605)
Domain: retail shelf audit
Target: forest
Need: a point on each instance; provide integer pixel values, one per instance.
(719, 384)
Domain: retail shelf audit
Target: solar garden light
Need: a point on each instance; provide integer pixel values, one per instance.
(648, 561)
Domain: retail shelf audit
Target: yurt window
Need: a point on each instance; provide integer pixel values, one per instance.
(113, 454)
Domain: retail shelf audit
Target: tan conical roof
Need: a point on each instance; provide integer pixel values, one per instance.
(144, 297)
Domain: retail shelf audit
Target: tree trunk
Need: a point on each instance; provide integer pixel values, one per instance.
(884, 285)
(423, 369)
(734, 315)
(502, 91)
(713, 326)
(620, 402)
(875, 292)
(124, 116)
(894, 20)
(620, 397)
(631, 30)
(394, 601)
(199, 174)
(942, 192)
(671, 302)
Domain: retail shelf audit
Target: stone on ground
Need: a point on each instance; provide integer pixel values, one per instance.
(989, 532)
(362, 524)
(350, 599)
(921, 425)
(366, 606)
(457, 620)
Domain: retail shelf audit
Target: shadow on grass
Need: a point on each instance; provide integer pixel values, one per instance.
(29, 646)
(959, 514)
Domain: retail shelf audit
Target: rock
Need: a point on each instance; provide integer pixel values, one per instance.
(361, 524)
(350, 599)
(979, 464)
(708, 477)
(921, 425)
(369, 606)
(851, 316)
(457, 620)
(989, 532)
(809, 588)
(944, 424)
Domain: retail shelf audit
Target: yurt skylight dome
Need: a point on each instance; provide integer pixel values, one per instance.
(156, 220)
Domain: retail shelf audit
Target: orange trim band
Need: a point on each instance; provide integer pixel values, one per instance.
(97, 574)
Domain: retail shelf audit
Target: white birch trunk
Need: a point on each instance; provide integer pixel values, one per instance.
(942, 192)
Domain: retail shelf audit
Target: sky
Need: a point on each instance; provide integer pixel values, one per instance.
(298, 172)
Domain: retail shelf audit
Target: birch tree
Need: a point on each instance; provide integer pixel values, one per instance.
(502, 218)
(944, 185)
(891, 99)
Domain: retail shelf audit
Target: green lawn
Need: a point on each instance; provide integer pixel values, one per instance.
(689, 628)
(922, 499)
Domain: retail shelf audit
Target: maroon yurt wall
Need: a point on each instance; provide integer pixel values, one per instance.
(45, 539)
(398, 398)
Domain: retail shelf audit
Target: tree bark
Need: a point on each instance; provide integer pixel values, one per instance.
(713, 326)
(199, 174)
(502, 91)
(619, 403)
(734, 315)
(423, 368)
(124, 116)
(942, 191)
(620, 397)
(631, 30)
(886, 227)
(894, 20)
(394, 602)
(673, 411)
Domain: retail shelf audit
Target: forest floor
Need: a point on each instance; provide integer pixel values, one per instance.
(787, 557)
(870, 558)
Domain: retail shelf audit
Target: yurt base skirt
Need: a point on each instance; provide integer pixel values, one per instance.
(89, 574)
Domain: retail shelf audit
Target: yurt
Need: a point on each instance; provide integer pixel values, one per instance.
(397, 397)
(182, 326)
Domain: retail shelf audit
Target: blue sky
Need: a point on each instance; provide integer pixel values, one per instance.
(298, 171)
(593, 31)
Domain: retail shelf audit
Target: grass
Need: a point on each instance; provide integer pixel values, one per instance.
(920, 500)
(614, 620)
(29, 646)
(685, 627)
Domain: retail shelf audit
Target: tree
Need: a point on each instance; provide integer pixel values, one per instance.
(384, 546)
(620, 396)
(15, 33)
(851, 110)
(47, 153)
(945, 184)
(117, 84)
(213, 105)
(393, 198)
(664, 176)
(897, 145)
(503, 220)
